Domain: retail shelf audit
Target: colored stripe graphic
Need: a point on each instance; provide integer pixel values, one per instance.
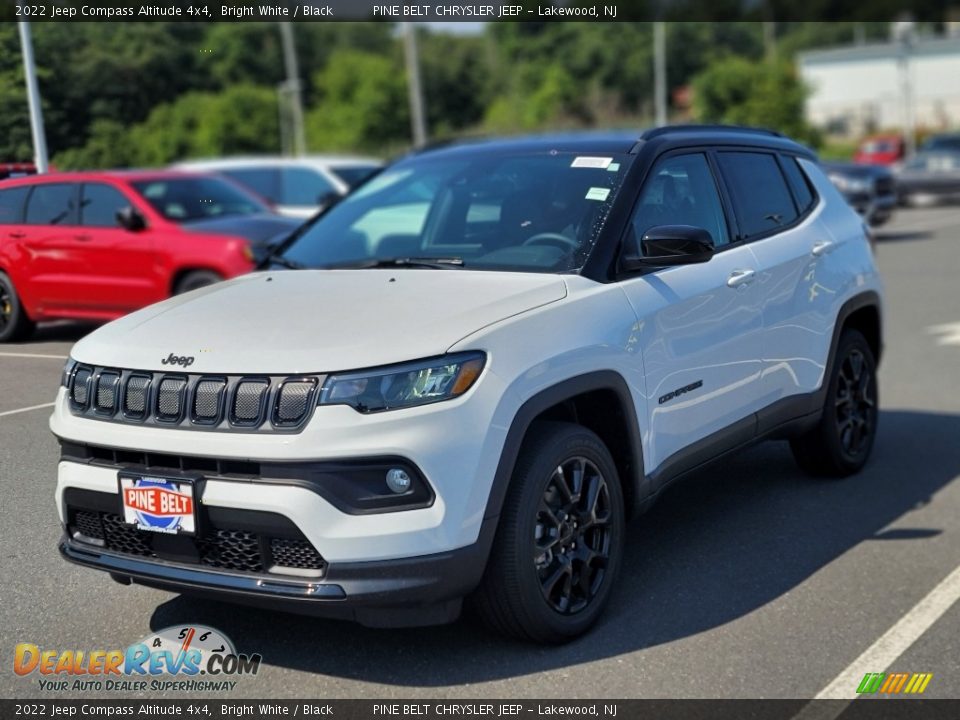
(894, 683)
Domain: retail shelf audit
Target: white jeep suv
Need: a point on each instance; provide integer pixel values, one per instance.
(462, 380)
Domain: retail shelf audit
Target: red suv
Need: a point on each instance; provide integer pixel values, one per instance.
(94, 246)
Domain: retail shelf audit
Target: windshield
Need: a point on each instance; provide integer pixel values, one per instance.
(353, 175)
(492, 211)
(197, 198)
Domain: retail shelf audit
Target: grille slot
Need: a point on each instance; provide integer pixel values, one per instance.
(135, 396)
(81, 385)
(170, 398)
(248, 402)
(107, 383)
(208, 400)
(293, 402)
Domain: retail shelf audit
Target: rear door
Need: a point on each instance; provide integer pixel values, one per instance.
(699, 326)
(53, 251)
(119, 272)
(779, 215)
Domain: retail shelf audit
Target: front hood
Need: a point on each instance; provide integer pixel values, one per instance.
(257, 228)
(309, 321)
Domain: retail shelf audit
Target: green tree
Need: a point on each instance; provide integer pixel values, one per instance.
(361, 103)
(764, 94)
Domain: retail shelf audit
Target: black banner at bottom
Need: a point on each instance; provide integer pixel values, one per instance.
(864, 709)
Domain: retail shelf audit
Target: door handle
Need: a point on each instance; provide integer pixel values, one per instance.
(17, 235)
(821, 248)
(740, 277)
(83, 238)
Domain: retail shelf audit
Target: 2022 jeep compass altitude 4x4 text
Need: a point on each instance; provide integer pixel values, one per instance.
(461, 380)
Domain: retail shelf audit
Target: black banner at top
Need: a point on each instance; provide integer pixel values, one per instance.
(465, 11)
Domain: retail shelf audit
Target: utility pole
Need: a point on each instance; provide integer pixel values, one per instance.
(903, 33)
(660, 73)
(33, 100)
(293, 88)
(770, 39)
(418, 119)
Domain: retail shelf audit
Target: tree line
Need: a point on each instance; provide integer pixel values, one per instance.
(146, 94)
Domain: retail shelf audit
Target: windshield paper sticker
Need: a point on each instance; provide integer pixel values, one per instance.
(591, 162)
(597, 193)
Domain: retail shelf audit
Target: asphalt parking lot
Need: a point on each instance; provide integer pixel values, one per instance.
(749, 580)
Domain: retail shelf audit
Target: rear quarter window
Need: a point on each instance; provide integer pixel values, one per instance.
(11, 204)
(761, 198)
(799, 183)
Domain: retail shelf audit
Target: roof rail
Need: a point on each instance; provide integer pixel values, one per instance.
(663, 130)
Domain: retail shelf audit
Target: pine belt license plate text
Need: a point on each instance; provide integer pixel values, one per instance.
(159, 504)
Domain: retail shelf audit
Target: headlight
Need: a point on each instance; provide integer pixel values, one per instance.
(400, 386)
(68, 372)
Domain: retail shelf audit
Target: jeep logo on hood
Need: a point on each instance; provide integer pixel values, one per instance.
(182, 360)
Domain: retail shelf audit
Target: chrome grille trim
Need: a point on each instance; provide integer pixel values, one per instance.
(211, 402)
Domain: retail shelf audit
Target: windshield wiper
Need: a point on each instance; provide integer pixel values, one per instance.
(278, 259)
(436, 263)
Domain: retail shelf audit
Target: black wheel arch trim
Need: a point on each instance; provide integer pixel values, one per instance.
(860, 301)
(608, 380)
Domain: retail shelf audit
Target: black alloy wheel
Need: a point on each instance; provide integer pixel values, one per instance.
(572, 535)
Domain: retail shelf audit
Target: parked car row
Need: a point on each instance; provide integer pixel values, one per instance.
(881, 176)
(298, 187)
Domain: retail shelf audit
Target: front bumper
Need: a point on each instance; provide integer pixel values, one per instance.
(415, 591)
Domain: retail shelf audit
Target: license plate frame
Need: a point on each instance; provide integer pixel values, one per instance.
(173, 498)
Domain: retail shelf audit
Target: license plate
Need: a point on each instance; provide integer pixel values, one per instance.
(158, 503)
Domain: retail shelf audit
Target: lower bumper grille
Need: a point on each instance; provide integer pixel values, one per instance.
(234, 550)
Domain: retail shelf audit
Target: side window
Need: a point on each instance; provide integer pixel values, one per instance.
(303, 186)
(681, 191)
(761, 198)
(263, 181)
(11, 205)
(798, 182)
(100, 205)
(51, 204)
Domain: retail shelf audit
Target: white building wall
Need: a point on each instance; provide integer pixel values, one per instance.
(865, 93)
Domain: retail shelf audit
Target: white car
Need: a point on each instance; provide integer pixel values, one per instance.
(296, 186)
(464, 378)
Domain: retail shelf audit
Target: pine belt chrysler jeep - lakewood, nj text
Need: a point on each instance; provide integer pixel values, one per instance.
(460, 381)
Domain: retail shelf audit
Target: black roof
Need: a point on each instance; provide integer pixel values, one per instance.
(624, 141)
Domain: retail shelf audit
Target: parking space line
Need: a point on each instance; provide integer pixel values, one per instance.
(26, 409)
(892, 644)
(32, 355)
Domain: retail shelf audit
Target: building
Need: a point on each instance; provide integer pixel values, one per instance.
(860, 89)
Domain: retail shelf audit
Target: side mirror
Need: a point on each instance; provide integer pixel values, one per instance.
(130, 219)
(667, 245)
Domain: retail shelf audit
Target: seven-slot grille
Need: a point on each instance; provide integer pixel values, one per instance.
(212, 402)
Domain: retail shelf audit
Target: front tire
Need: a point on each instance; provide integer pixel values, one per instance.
(559, 543)
(15, 324)
(196, 279)
(840, 444)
